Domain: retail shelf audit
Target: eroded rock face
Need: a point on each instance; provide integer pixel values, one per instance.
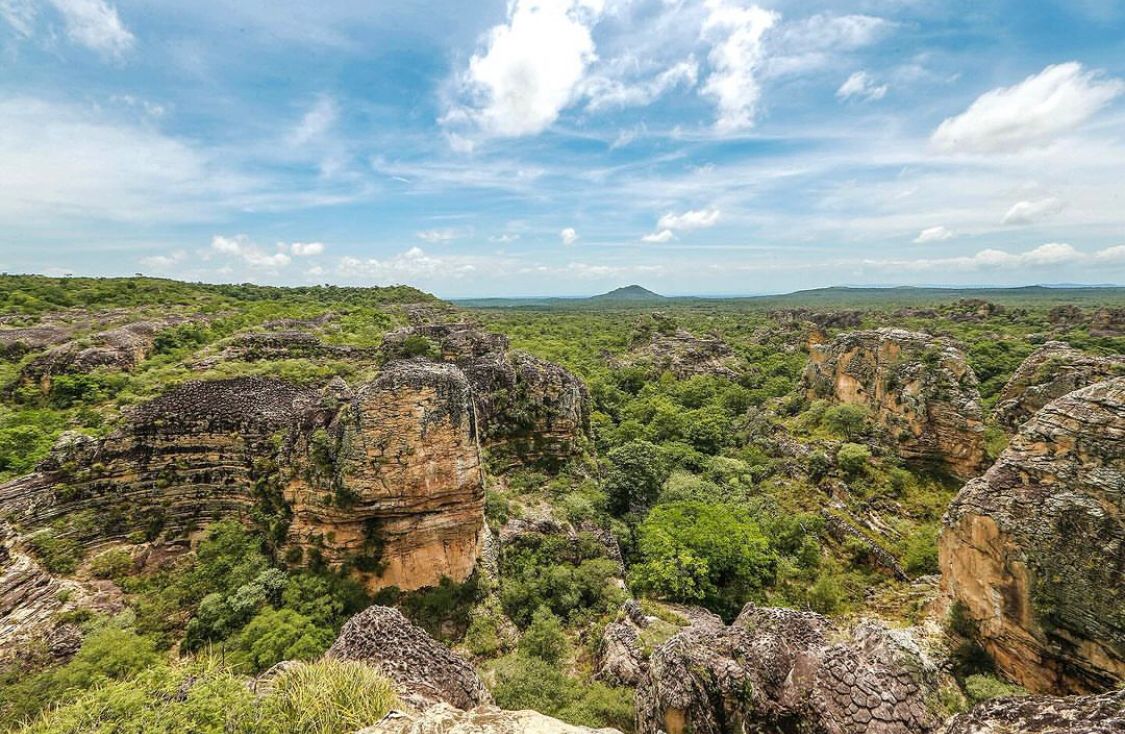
(481, 720)
(1034, 550)
(385, 479)
(782, 670)
(686, 355)
(919, 388)
(1108, 322)
(530, 411)
(1100, 714)
(258, 346)
(399, 480)
(1051, 371)
(422, 669)
(14, 343)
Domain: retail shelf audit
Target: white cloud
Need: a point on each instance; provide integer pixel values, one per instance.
(568, 236)
(663, 235)
(504, 239)
(405, 267)
(819, 42)
(1052, 254)
(692, 219)
(1032, 113)
(242, 248)
(305, 249)
(164, 262)
(608, 93)
(316, 122)
(1031, 212)
(20, 15)
(736, 55)
(437, 236)
(861, 85)
(1111, 254)
(532, 66)
(933, 234)
(95, 25)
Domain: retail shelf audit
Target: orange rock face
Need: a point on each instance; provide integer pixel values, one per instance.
(1034, 550)
(919, 388)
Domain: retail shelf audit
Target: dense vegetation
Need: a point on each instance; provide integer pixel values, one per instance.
(685, 479)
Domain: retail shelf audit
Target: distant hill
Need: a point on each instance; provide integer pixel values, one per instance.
(629, 293)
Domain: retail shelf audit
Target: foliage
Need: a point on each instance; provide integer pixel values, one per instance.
(981, 687)
(636, 473)
(524, 682)
(715, 554)
(853, 458)
(544, 637)
(274, 635)
(847, 420)
(921, 555)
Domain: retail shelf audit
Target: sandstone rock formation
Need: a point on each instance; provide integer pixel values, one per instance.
(258, 346)
(785, 670)
(1051, 371)
(686, 355)
(1108, 322)
(1100, 714)
(386, 481)
(1034, 550)
(423, 670)
(530, 411)
(122, 348)
(848, 319)
(442, 719)
(14, 343)
(919, 388)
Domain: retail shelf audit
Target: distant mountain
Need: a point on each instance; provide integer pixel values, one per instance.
(629, 293)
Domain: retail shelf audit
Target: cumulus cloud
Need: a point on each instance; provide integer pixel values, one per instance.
(164, 262)
(437, 236)
(405, 266)
(691, 219)
(663, 235)
(568, 236)
(933, 234)
(1031, 212)
(305, 249)
(240, 247)
(1050, 254)
(95, 25)
(862, 86)
(1032, 113)
(736, 55)
(532, 66)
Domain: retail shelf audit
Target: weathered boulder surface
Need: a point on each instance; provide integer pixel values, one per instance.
(443, 719)
(1051, 371)
(919, 388)
(1034, 550)
(259, 346)
(422, 669)
(386, 479)
(530, 411)
(1098, 714)
(1108, 322)
(122, 348)
(14, 343)
(785, 670)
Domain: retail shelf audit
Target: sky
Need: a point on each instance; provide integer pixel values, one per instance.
(566, 147)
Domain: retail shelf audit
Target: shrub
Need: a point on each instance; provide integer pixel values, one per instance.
(524, 682)
(327, 697)
(980, 687)
(60, 554)
(111, 564)
(279, 634)
(636, 473)
(921, 554)
(852, 458)
(544, 637)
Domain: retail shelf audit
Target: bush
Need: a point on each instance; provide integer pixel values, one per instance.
(524, 682)
(327, 697)
(852, 458)
(544, 637)
(921, 555)
(980, 687)
(279, 634)
(846, 420)
(111, 564)
(60, 554)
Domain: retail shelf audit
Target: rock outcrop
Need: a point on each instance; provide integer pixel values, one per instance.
(259, 346)
(122, 348)
(918, 387)
(1051, 371)
(442, 719)
(686, 355)
(1100, 714)
(785, 670)
(530, 411)
(1034, 550)
(385, 481)
(423, 670)
(14, 343)
(1108, 322)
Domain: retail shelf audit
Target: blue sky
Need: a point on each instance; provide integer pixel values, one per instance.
(566, 147)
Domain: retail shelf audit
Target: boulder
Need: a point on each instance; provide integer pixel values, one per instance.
(1097, 714)
(1051, 371)
(422, 669)
(1107, 322)
(443, 719)
(919, 388)
(786, 670)
(1034, 550)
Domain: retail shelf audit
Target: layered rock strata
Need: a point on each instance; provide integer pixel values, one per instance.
(1034, 550)
(918, 387)
(1097, 714)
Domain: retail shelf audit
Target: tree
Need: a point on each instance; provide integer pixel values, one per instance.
(637, 471)
(703, 552)
(847, 420)
(280, 634)
(852, 458)
(544, 637)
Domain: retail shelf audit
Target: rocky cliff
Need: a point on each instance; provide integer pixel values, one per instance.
(785, 670)
(530, 411)
(1034, 550)
(1101, 714)
(1051, 371)
(918, 387)
(385, 480)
